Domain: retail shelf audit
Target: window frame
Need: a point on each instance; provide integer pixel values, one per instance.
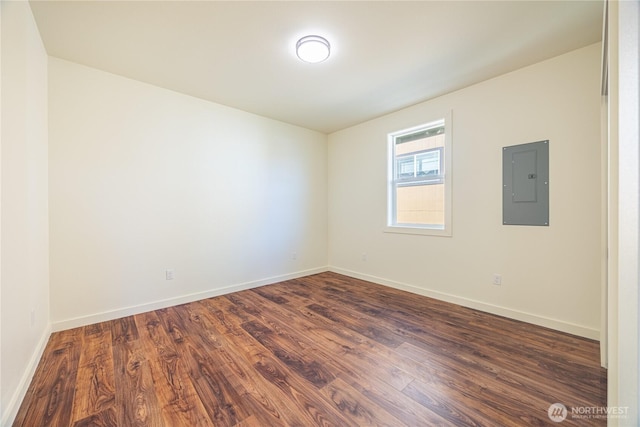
(445, 178)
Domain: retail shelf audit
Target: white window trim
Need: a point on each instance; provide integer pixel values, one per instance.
(446, 231)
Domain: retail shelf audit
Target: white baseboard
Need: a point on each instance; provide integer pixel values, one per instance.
(183, 299)
(555, 324)
(12, 408)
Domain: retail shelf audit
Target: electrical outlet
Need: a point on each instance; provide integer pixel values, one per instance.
(497, 279)
(169, 274)
(294, 256)
(364, 257)
(33, 317)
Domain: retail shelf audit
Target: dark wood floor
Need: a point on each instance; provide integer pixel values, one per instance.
(323, 350)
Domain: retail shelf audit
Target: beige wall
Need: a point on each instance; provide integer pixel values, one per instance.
(144, 179)
(551, 275)
(24, 248)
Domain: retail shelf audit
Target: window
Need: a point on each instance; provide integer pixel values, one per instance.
(419, 199)
(421, 167)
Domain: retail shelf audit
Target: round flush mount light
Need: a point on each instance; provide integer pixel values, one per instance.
(313, 49)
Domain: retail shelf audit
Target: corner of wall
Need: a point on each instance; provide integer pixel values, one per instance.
(11, 410)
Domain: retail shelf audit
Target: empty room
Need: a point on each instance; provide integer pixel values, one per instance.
(331, 213)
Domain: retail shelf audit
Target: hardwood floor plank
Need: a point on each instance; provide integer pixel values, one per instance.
(311, 406)
(51, 391)
(357, 407)
(381, 394)
(259, 396)
(359, 325)
(252, 421)
(136, 402)
(218, 396)
(95, 389)
(278, 317)
(485, 384)
(485, 397)
(483, 366)
(467, 322)
(124, 330)
(322, 350)
(106, 418)
(305, 366)
(452, 406)
(502, 349)
(356, 352)
(393, 401)
(179, 402)
(312, 409)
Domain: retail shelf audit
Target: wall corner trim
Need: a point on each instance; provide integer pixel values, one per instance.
(12, 408)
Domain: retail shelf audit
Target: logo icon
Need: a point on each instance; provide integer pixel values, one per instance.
(557, 412)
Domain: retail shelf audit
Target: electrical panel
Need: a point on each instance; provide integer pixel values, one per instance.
(525, 184)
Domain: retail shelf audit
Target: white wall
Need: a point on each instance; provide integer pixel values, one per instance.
(624, 278)
(551, 275)
(143, 179)
(24, 241)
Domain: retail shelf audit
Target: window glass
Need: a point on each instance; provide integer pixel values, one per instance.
(419, 191)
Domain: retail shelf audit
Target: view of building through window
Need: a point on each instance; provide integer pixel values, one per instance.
(418, 177)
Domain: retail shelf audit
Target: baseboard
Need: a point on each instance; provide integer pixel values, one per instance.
(555, 324)
(183, 299)
(12, 408)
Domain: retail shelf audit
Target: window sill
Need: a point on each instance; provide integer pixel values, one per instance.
(422, 231)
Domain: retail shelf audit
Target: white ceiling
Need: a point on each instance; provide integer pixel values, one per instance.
(385, 55)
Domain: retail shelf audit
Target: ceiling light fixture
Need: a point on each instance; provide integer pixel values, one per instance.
(313, 49)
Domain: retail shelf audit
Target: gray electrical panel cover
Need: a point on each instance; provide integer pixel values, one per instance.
(525, 184)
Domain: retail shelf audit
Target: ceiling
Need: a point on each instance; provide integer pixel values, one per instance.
(386, 55)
